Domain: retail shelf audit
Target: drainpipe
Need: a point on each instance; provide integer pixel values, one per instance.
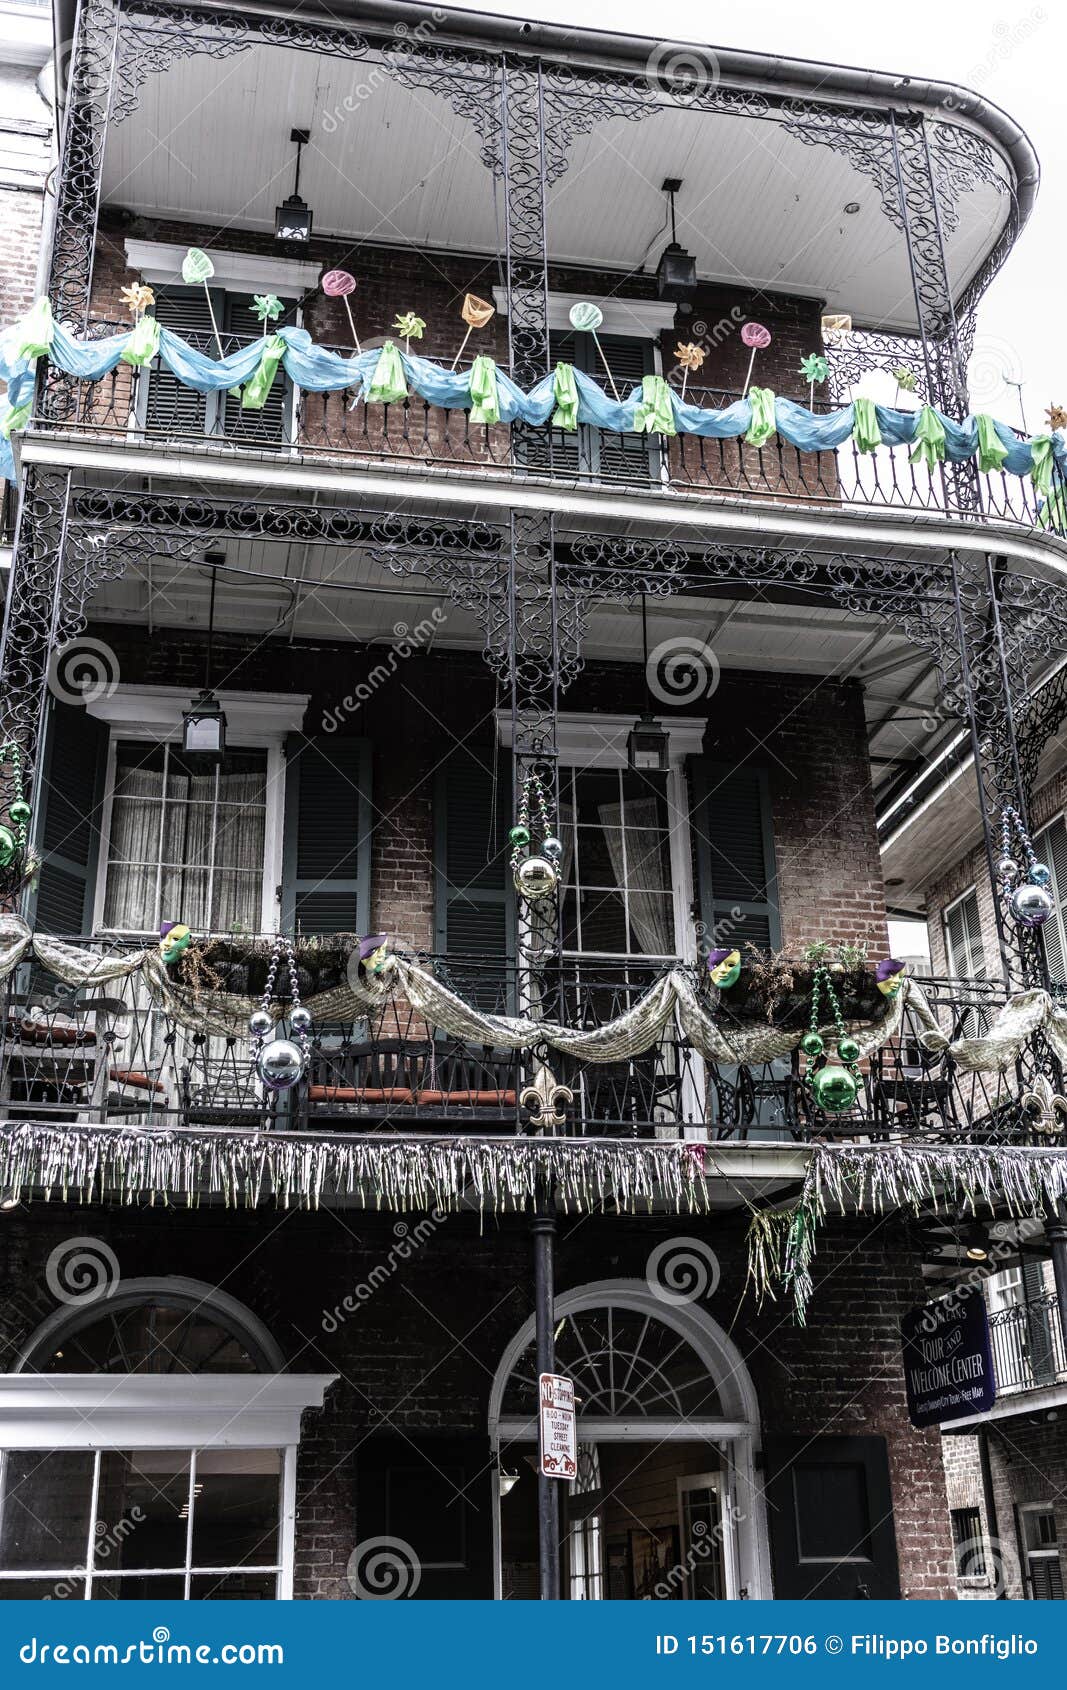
(543, 1227)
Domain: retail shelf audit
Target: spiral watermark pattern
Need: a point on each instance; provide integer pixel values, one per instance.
(383, 1569)
(683, 70)
(682, 1270)
(981, 1559)
(82, 1270)
(681, 670)
(83, 671)
(992, 368)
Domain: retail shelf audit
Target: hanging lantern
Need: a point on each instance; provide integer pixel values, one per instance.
(648, 747)
(204, 730)
(293, 218)
(676, 272)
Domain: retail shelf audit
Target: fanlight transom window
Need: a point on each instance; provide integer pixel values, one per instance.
(626, 1364)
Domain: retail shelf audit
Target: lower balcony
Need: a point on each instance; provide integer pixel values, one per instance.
(111, 1055)
(1028, 1346)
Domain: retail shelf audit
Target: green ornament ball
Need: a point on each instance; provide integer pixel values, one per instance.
(834, 1089)
(7, 846)
(811, 1045)
(20, 812)
(848, 1050)
(519, 838)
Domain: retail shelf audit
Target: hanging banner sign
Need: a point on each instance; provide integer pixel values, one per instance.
(948, 1362)
(559, 1432)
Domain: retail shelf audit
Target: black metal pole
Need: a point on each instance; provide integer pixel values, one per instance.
(543, 1227)
(989, 1499)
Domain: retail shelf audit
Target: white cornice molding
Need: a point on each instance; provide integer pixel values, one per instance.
(587, 740)
(647, 318)
(252, 718)
(161, 264)
(156, 1411)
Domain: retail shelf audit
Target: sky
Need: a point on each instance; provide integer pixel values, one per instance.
(1011, 54)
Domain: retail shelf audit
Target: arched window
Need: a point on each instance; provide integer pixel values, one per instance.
(147, 1445)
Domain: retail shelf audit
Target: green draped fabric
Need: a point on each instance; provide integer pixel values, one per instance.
(865, 431)
(991, 450)
(387, 386)
(1041, 463)
(143, 343)
(654, 413)
(33, 336)
(1053, 513)
(262, 379)
(15, 420)
(486, 400)
(762, 426)
(929, 439)
(565, 393)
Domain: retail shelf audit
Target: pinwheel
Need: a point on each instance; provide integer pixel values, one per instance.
(338, 284)
(1056, 417)
(266, 306)
(757, 339)
(814, 368)
(410, 326)
(690, 357)
(476, 313)
(587, 318)
(198, 268)
(906, 381)
(137, 298)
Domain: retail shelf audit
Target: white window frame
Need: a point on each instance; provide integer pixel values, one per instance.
(181, 1412)
(971, 974)
(719, 1483)
(254, 721)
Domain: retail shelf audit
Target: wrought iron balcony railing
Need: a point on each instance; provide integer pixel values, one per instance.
(150, 408)
(113, 1056)
(1028, 1347)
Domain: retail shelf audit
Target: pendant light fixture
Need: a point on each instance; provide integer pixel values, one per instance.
(647, 747)
(676, 272)
(293, 218)
(204, 723)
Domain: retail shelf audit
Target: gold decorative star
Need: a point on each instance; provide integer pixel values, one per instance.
(1056, 417)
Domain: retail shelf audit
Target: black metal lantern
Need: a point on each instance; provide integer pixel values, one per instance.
(647, 747)
(676, 272)
(293, 218)
(204, 723)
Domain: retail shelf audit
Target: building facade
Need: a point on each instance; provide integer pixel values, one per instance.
(462, 595)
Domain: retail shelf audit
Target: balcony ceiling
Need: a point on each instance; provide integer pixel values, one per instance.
(209, 145)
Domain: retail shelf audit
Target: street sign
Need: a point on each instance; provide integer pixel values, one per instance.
(559, 1434)
(948, 1364)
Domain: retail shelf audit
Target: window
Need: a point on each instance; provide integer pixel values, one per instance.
(968, 1542)
(1040, 1543)
(171, 408)
(617, 888)
(1051, 847)
(963, 939)
(183, 845)
(592, 451)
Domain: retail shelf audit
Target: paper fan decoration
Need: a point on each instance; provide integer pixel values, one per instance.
(337, 283)
(196, 267)
(585, 317)
(755, 336)
(476, 313)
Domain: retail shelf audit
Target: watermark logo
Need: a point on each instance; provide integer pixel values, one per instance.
(993, 366)
(681, 670)
(82, 1270)
(683, 71)
(407, 641)
(682, 1270)
(82, 671)
(383, 1569)
(406, 1241)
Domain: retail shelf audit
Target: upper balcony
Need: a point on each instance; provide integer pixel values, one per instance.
(527, 166)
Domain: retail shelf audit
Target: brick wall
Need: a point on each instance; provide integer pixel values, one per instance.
(20, 240)
(417, 1357)
(808, 734)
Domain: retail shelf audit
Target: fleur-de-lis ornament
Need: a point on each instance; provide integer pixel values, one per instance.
(546, 1099)
(137, 298)
(266, 306)
(410, 326)
(1044, 1108)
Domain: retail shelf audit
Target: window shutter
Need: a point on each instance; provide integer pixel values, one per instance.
(171, 407)
(474, 901)
(963, 935)
(830, 1512)
(1051, 848)
(327, 844)
(736, 871)
(268, 426)
(588, 451)
(68, 835)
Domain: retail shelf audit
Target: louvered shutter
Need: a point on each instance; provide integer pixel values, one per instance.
(474, 900)
(171, 408)
(591, 451)
(963, 935)
(1051, 847)
(268, 426)
(327, 844)
(735, 855)
(68, 836)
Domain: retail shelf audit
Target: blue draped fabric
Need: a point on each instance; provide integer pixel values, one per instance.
(320, 370)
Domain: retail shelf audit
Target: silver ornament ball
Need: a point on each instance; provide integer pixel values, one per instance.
(552, 848)
(300, 1019)
(261, 1023)
(1031, 905)
(280, 1064)
(535, 878)
(1008, 869)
